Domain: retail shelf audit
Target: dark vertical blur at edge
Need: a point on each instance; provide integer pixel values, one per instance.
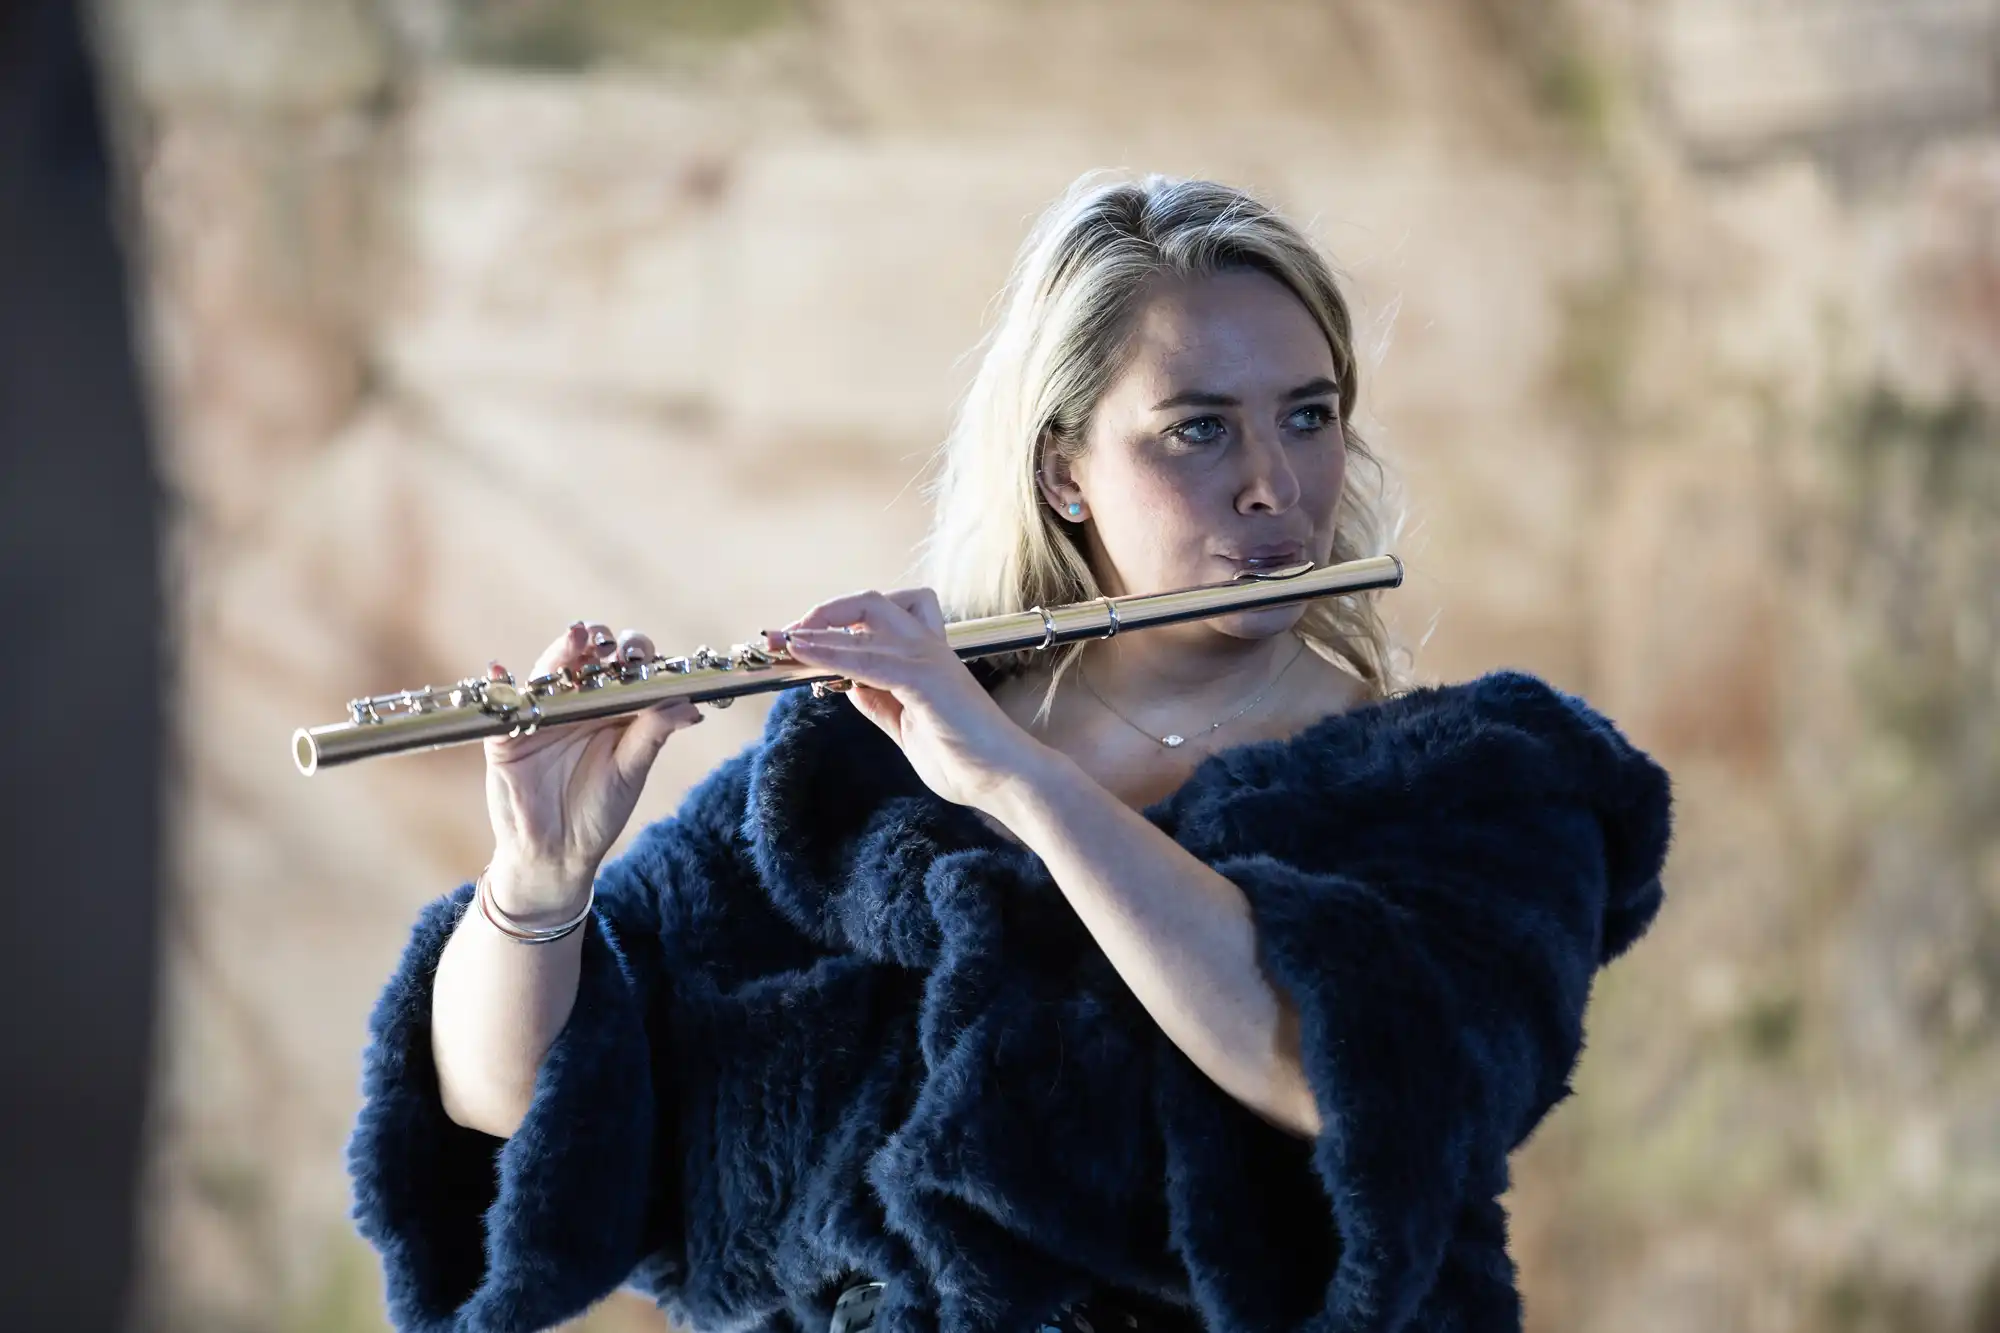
(80, 712)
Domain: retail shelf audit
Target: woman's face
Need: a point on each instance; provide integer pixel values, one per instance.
(1218, 448)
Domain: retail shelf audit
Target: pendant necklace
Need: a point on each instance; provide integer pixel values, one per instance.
(1174, 740)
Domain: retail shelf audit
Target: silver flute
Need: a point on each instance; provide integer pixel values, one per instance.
(434, 717)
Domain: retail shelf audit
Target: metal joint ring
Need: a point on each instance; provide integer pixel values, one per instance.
(1111, 610)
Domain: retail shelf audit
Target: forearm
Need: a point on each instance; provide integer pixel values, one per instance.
(1180, 934)
(497, 1005)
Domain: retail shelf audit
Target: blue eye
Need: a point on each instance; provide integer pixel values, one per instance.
(1318, 416)
(1197, 430)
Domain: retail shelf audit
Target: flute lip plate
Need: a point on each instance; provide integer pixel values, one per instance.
(1279, 572)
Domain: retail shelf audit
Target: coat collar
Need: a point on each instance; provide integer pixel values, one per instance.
(850, 844)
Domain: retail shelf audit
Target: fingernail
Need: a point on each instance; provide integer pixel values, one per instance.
(632, 653)
(578, 625)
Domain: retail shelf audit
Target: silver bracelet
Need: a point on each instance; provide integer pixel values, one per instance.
(513, 929)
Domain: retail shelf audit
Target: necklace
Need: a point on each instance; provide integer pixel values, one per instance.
(1174, 740)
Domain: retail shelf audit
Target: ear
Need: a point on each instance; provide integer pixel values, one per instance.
(1054, 479)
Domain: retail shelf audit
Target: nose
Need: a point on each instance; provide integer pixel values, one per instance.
(1269, 483)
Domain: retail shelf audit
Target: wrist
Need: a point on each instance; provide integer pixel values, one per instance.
(1025, 785)
(537, 894)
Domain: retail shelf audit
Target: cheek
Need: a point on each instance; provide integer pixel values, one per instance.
(1332, 477)
(1158, 511)
(1153, 486)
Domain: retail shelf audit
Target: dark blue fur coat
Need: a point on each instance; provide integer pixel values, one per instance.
(830, 1025)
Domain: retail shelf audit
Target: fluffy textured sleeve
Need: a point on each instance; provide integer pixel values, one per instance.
(480, 1233)
(1434, 890)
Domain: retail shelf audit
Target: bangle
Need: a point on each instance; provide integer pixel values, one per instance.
(513, 929)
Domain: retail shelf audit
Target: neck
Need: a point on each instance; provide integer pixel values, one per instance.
(1187, 674)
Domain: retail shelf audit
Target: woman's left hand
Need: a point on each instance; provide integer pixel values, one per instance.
(909, 682)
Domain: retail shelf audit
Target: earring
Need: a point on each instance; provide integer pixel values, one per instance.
(1074, 509)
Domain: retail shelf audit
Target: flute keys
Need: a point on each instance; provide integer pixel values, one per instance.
(508, 700)
(562, 678)
(502, 696)
(513, 703)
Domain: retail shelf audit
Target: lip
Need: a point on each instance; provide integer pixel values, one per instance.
(1270, 553)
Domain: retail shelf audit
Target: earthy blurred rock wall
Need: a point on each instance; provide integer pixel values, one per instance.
(1684, 331)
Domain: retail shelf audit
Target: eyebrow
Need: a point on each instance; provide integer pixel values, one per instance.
(1313, 388)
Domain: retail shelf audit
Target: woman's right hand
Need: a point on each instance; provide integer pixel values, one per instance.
(559, 798)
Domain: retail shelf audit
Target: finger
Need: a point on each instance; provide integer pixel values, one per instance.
(649, 729)
(496, 745)
(868, 608)
(922, 605)
(635, 647)
(861, 660)
(563, 652)
(603, 643)
(572, 649)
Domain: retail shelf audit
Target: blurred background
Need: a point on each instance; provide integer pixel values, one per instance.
(458, 321)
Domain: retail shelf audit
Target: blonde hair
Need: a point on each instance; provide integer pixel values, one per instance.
(994, 545)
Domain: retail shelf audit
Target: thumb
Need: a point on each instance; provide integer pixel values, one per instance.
(879, 706)
(644, 736)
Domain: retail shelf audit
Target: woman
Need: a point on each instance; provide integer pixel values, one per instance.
(1195, 978)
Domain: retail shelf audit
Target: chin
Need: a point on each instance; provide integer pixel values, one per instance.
(1260, 624)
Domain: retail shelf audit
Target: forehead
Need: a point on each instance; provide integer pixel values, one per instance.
(1237, 332)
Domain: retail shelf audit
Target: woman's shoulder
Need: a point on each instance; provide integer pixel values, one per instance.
(1506, 747)
(1511, 731)
(1507, 731)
